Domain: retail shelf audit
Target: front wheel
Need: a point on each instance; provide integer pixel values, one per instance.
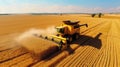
(60, 45)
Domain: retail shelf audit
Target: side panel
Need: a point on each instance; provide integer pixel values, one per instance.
(72, 31)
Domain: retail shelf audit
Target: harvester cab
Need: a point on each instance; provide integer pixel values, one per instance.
(69, 28)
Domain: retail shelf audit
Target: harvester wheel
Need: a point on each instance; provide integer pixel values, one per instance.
(60, 45)
(57, 34)
(69, 39)
(46, 37)
(52, 39)
(76, 36)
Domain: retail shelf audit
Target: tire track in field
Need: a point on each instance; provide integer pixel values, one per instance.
(103, 55)
(116, 41)
(113, 37)
(72, 58)
(87, 61)
(8, 46)
(15, 60)
(111, 61)
(111, 46)
(12, 53)
(25, 63)
(109, 55)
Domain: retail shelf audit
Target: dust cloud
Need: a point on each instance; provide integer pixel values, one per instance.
(30, 32)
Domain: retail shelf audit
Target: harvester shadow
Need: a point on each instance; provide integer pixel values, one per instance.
(89, 41)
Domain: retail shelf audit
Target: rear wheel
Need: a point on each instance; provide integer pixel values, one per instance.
(69, 39)
(76, 36)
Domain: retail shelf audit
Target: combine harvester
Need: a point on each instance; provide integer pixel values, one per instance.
(66, 33)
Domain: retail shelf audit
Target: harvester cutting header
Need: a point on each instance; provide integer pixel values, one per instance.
(66, 33)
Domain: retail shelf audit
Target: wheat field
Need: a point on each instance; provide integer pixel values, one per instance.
(98, 45)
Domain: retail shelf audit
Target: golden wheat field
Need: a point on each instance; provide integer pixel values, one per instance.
(98, 45)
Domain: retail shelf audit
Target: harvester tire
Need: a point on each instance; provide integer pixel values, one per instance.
(46, 37)
(60, 45)
(69, 39)
(76, 36)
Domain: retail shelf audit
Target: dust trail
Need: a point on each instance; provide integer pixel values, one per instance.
(39, 48)
(30, 32)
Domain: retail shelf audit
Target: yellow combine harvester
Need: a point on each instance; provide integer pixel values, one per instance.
(66, 33)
